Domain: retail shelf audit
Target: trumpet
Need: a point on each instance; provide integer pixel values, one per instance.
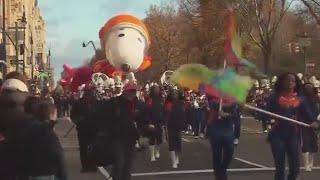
(165, 78)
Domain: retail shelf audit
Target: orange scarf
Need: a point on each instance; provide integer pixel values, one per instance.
(289, 100)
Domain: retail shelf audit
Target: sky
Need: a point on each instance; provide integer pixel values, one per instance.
(70, 22)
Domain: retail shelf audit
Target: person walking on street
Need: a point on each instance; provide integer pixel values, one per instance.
(284, 136)
(221, 136)
(115, 118)
(81, 114)
(13, 122)
(154, 117)
(175, 119)
(45, 153)
(309, 136)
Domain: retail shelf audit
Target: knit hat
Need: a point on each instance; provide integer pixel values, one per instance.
(14, 85)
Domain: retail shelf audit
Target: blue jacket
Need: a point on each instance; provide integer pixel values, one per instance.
(282, 128)
(225, 124)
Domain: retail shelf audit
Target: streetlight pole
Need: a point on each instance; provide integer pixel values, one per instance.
(4, 41)
(4, 37)
(49, 58)
(24, 22)
(90, 42)
(32, 65)
(17, 47)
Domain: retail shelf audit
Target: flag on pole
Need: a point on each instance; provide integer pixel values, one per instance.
(233, 47)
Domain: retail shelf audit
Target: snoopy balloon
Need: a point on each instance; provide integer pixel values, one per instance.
(125, 41)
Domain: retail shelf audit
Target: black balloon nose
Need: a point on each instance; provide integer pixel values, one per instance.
(125, 67)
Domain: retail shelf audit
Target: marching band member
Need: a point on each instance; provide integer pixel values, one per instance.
(116, 119)
(221, 136)
(81, 115)
(175, 117)
(154, 118)
(284, 136)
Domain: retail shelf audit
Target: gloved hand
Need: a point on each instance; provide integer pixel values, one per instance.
(315, 125)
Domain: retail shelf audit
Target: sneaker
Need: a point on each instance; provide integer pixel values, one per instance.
(196, 137)
(236, 141)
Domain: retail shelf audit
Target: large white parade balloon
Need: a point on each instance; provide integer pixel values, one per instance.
(125, 40)
(125, 47)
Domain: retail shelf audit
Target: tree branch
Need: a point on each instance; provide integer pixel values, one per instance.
(256, 41)
(312, 12)
(277, 22)
(317, 3)
(259, 23)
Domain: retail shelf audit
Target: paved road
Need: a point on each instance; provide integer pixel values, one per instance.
(252, 159)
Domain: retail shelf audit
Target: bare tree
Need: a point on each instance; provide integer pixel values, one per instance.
(207, 20)
(164, 25)
(313, 7)
(267, 16)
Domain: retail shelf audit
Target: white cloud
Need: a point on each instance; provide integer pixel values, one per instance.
(72, 53)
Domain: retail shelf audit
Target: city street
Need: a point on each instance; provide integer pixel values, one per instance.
(252, 159)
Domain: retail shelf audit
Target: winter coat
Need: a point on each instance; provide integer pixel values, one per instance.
(28, 146)
(140, 117)
(116, 117)
(155, 112)
(175, 115)
(224, 124)
(12, 123)
(82, 114)
(44, 153)
(309, 136)
(285, 129)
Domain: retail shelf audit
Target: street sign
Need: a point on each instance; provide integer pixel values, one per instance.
(305, 41)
